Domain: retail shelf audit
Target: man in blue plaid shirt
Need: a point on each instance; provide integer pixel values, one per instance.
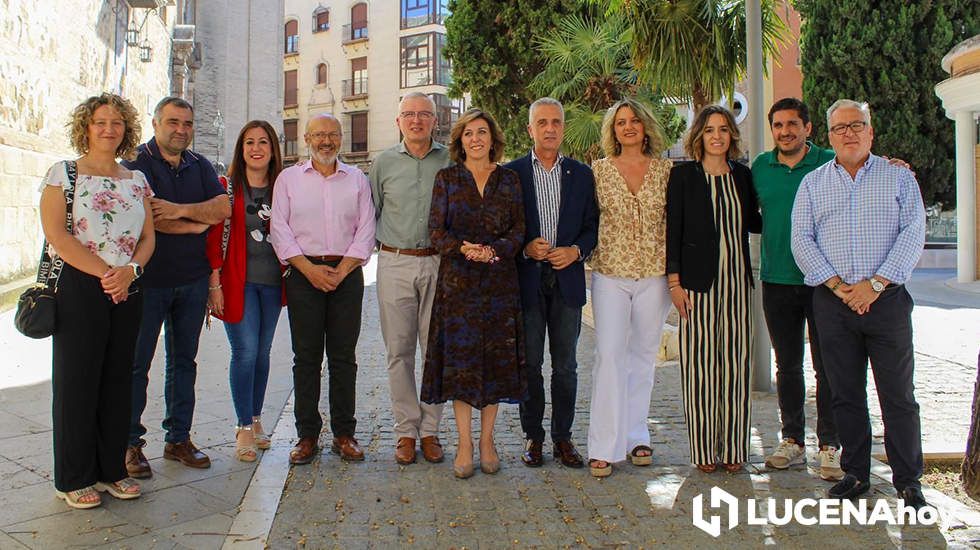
(858, 231)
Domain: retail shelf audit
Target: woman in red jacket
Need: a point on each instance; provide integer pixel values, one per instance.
(246, 285)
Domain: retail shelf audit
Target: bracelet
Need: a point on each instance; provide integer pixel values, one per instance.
(215, 287)
(837, 284)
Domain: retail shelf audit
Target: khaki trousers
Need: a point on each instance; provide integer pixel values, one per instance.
(406, 289)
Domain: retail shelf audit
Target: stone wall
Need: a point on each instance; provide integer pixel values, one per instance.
(241, 70)
(51, 60)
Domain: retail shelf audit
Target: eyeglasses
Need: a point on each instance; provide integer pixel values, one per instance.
(421, 115)
(857, 127)
(320, 136)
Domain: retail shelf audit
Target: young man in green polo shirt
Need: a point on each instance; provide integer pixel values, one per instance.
(786, 301)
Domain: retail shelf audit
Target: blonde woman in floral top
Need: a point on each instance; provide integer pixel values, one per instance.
(98, 304)
(629, 290)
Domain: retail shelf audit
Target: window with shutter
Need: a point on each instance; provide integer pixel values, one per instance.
(292, 36)
(290, 89)
(358, 132)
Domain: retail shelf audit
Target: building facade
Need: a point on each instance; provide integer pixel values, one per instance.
(51, 60)
(356, 59)
(239, 46)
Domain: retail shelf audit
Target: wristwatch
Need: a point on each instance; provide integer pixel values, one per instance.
(137, 270)
(877, 285)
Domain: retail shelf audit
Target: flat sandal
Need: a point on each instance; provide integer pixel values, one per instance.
(120, 489)
(74, 498)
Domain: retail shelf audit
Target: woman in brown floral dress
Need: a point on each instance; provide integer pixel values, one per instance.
(475, 353)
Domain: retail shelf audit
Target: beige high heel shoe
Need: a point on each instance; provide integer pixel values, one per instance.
(262, 439)
(490, 466)
(245, 453)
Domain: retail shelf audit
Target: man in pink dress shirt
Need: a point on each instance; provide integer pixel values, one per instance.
(323, 227)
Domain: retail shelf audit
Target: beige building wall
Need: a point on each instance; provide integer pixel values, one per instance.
(337, 47)
(51, 60)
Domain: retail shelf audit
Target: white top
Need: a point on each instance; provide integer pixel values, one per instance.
(108, 212)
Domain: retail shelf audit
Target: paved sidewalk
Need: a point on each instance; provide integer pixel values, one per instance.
(377, 503)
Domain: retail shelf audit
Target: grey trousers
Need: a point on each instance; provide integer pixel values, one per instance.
(406, 289)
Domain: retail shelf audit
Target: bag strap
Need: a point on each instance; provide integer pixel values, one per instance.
(226, 225)
(48, 270)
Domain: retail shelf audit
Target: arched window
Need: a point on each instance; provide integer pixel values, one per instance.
(358, 21)
(321, 73)
(321, 19)
(292, 36)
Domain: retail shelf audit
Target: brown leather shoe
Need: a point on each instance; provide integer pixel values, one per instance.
(566, 453)
(304, 452)
(432, 449)
(136, 464)
(405, 450)
(532, 453)
(187, 454)
(347, 447)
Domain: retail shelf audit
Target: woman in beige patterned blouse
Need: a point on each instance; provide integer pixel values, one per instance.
(629, 290)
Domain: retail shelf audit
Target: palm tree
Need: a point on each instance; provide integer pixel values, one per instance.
(588, 68)
(694, 49)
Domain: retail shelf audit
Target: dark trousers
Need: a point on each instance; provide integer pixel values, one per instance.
(180, 311)
(563, 324)
(848, 341)
(92, 353)
(788, 308)
(324, 320)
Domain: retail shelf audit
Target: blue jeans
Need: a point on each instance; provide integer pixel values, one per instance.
(251, 343)
(180, 310)
(563, 324)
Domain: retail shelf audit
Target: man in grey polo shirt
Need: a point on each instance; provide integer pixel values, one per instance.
(401, 184)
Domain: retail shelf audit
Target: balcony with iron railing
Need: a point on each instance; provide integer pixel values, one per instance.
(354, 32)
(354, 88)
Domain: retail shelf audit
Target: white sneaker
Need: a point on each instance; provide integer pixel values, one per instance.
(787, 454)
(830, 464)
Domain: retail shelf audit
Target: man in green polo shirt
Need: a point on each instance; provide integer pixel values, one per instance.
(401, 184)
(786, 301)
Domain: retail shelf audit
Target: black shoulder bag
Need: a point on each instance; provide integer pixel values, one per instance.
(35, 316)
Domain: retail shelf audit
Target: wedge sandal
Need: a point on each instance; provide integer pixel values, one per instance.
(641, 460)
(599, 471)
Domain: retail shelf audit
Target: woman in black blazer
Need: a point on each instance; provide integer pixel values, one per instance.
(711, 208)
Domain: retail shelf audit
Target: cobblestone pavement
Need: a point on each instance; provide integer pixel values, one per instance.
(377, 503)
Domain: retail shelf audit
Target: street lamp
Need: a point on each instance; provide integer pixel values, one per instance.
(146, 52)
(219, 126)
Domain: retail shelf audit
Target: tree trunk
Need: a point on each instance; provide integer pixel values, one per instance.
(699, 97)
(970, 472)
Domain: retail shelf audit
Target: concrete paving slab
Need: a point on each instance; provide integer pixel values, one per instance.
(73, 529)
(203, 533)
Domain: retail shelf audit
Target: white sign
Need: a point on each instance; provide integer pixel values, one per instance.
(808, 511)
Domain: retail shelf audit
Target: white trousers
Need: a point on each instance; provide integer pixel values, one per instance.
(629, 319)
(406, 290)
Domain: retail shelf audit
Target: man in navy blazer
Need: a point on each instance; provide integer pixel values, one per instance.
(562, 225)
